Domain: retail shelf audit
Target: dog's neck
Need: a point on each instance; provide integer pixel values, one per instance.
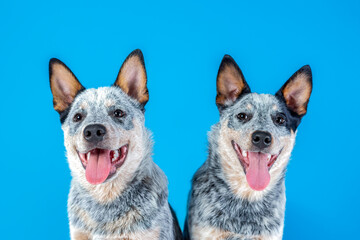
(243, 212)
(141, 200)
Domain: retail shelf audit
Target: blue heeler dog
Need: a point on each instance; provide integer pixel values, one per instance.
(239, 192)
(117, 191)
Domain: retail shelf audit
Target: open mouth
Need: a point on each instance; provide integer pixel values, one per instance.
(256, 166)
(101, 164)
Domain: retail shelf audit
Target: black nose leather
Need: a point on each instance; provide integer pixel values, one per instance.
(261, 139)
(94, 133)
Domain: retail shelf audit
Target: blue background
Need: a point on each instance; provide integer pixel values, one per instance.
(183, 44)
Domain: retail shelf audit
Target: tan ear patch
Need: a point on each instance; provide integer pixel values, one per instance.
(64, 85)
(230, 82)
(132, 77)
(228, 86)
(297, 93)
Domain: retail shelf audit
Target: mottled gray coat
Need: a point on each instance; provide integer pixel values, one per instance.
(221, 204)
(132, 202)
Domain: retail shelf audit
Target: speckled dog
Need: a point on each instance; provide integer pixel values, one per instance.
(239, 192)
(117, 191)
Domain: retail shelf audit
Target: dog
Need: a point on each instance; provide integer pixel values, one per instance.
(117, 191)
(239, 192)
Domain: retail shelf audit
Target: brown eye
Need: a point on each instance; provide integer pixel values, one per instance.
(280, 119)
(118, 113)
(243, 117)
(77, 117)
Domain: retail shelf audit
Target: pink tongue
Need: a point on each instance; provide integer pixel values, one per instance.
(257, 175)
(98, 166)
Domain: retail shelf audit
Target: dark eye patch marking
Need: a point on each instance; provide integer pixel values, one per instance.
(264, 113)
(119, 113)
(244, 117)
(78, 117)
(74, 122)
(124, 118)
(292, 119)
(101, 105)
(279, 119)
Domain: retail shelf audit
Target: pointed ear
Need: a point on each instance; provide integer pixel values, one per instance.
(132, 77)
(230, 83)
(296, 91)
(64, 85)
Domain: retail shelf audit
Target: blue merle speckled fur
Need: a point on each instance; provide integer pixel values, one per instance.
(132, 202)
(221, 204)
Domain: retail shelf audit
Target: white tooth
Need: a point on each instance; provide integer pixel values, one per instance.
(88, 155)
(244, 153)
(269, 156)
(116, 154)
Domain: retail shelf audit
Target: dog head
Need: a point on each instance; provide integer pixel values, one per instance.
(103, 128)
(259, 129)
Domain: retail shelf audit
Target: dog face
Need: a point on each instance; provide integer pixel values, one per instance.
(104, 127)
(258, 130)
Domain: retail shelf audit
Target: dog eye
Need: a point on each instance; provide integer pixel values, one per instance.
(77, 117)
(280, 119)
(243, 117)
(118, 113)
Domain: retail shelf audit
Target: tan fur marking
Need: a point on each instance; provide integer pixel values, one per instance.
(229, 84)
(84, 105)
(249, 106)
(232, 166)
(152, 234)
(297, 93)
(109, 103)
(63, 97)
(84, 216)
(76, 234)
(131, 65)
(129, 219)
(210, 233)
(230, 162)
(284, 157)
(79, 236)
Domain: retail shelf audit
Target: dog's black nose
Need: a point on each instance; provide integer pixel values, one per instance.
(94, 133)
(261, 139)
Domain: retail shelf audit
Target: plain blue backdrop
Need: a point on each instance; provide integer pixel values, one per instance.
(183, 44)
